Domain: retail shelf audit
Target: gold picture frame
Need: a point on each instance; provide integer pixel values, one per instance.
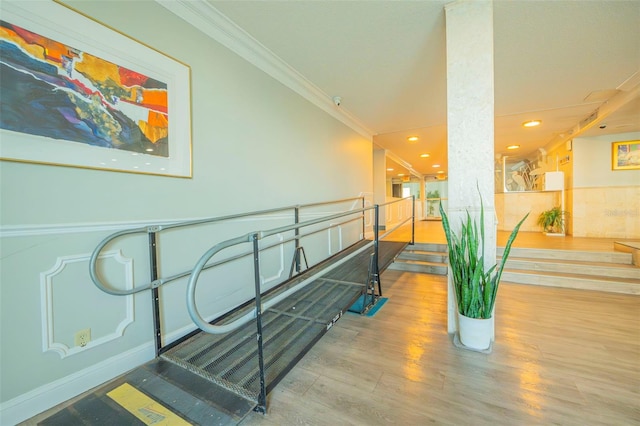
(78, 93)
(625, 155)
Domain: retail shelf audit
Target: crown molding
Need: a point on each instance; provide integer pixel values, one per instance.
(206, 18)
(403, 163)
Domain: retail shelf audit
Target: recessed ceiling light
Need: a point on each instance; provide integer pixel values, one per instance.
(513, 147)
(424, 155)
(149, 149)
(400, 174)
(412, 138)
(440, 171)
(436, 165)
(532, 123)
(389, 169)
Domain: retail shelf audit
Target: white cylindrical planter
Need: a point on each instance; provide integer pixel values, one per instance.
(475, 333)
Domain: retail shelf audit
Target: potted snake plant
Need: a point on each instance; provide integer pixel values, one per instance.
(475, 286)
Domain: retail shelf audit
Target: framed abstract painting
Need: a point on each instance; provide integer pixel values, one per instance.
(84, 95)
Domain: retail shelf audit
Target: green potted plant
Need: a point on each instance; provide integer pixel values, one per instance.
(431, 201)
(475, 286)
(552, 221)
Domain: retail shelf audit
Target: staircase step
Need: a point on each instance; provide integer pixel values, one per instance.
(432, 247)
(571, 255)
(577, 281)
(425, 256)
(423, 267)
(603, 269)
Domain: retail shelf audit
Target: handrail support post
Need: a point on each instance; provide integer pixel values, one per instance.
(364, 221)
(155, 294)
(262, 397)
(376, 244)
(297, 234)
(413, 220)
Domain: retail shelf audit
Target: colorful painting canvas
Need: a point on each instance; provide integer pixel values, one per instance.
(625, 155)
(56, 91)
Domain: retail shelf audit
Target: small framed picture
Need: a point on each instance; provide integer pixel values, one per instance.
(625, 155)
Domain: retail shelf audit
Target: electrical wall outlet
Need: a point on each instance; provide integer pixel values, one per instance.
(82, 337)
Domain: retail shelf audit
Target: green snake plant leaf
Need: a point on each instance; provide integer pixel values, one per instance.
(475, 289)
(505, 255)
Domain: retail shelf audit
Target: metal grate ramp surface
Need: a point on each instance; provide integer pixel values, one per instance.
(290, 329)
(214, 379)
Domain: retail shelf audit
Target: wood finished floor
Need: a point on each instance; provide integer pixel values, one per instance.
(561, 356)
(431, 231)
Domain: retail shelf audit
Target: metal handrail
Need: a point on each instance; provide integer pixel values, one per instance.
(256, 312)
(253, 237)
(326, 203)
(396, 201)
(250, 315)
(200, 265)
(163, 281)
(171, 225)
(412, 217)
(94, 258)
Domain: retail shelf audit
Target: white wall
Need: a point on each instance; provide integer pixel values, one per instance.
(605, 202)
(592, 162)
(256, 144)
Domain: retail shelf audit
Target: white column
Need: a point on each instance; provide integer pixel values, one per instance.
(470, 115)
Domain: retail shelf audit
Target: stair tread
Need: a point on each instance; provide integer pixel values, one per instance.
(421, 262)
(579, 255)
(572, 276)
(572, 262)
(581, 250)
(428, 247)
(425, 252)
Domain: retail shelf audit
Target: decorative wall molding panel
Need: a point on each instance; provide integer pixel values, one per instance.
(69, 300)
(330, 232)
(278, 274)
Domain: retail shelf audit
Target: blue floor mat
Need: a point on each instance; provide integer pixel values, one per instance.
(356, 308)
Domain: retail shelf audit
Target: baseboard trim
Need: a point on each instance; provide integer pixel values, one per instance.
(45, 397)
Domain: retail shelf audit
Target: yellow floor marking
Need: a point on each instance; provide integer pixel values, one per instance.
(144, 408)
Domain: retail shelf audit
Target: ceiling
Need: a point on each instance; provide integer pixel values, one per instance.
(558, 61)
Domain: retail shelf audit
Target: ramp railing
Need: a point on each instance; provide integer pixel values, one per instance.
(254, 238)
(153, 232)
(256, 313)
